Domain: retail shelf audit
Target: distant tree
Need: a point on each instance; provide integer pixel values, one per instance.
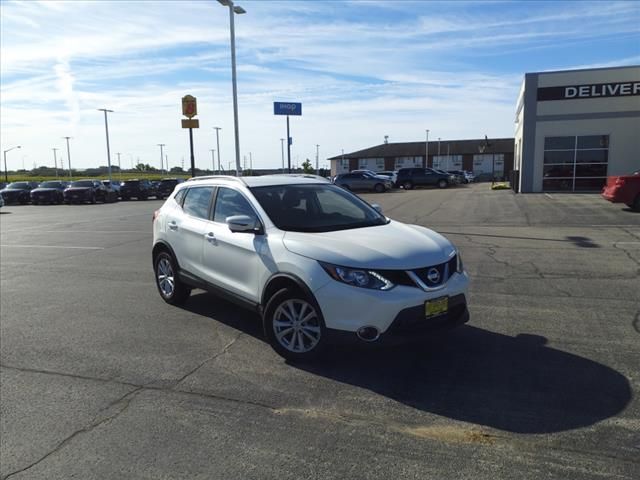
(307, 167)
(176, 170)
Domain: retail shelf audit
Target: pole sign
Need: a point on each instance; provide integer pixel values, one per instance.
(189, 106)
(594, 90)
(287, 108)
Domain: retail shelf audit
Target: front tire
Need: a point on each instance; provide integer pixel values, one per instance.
(294, 326)
(443, 184)
(171, 289)
(636, 204)
(379, 188)
(407, 185)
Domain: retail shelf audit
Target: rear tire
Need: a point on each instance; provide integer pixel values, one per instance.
(379, 188)
(294, 326)
(443, 184)
(171, 289)
(636, 204)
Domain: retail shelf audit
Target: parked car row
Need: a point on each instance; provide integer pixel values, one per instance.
(83, 191)
(407, 178)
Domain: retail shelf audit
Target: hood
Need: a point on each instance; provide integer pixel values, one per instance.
(394, 246)
(77, 189)
(44, 190)
(13, 191)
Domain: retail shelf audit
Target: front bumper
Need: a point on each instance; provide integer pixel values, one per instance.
(348, 308)
(410, 325)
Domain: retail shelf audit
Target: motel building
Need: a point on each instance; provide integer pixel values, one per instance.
(486, 158)
(576, 127)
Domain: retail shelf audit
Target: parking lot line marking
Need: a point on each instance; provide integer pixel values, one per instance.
(549, 196)
(52, 246)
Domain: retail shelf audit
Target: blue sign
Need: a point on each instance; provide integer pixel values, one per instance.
(287, 108)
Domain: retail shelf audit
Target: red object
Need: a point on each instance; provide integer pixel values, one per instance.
(623, 189)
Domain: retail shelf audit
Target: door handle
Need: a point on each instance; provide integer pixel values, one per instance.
(211, 238)
(173, 225)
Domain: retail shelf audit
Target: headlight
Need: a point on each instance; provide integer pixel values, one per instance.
(358, 278)
(459, 266)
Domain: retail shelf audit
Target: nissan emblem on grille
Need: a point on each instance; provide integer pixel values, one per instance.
(433, 275)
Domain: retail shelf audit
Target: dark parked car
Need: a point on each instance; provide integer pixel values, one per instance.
(140, 189)
(91, 191)
(18, 192)
(363, 181)
(167, 185)
(113, 185)
(49, 192)
(422, 177)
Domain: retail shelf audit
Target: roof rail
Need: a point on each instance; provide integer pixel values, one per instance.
(221, 177)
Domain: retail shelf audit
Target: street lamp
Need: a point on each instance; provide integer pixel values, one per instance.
(119, 166)
(161, 145)
(68, 155)
(213, 160)
(106, 129)
(55, 161)
(217, 129)
(282, 147)
(238, 10)
(317, 159)
(426, 152)
(4, 154)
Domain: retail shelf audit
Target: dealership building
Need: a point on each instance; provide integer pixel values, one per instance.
(486, 158)
(576, 127)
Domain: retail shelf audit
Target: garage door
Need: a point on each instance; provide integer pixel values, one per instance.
(487, 165)
(575, 163)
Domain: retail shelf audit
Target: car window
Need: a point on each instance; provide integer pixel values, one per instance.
(230, 202)
(197, 200)
(180, 196)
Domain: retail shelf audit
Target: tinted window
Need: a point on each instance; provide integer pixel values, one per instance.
(315, 208)
(82, 183)
(51, 185)
(593, 141)
(559, 143)
(229, 203)
(180, 196)
(197, 200)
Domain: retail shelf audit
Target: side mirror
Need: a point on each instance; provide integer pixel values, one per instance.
(377, 208)
(244, 223)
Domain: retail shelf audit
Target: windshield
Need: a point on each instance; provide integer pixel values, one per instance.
(82, 183)
(18, 186)
(132, 182)
(315, 208)
(51, 185)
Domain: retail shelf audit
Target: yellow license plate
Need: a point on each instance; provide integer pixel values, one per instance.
(437, 306)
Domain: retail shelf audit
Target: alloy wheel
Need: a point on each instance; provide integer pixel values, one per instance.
(165, 278)
(296, 326)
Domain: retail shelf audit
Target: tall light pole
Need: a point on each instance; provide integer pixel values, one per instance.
(233, 9)
(68, 155)
(161, 145)
(426, 151)
(106, 129)
(217, 129)
(213, 160)
(55, 161)
(119, 167)
(251, 163)
(4, 154)
(317, 159)
(282, 147)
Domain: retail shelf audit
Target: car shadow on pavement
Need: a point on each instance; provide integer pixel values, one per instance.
(516, 384)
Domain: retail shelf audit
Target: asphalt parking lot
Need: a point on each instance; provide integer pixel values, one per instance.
(101, 379)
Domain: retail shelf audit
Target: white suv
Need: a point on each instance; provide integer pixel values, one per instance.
(317, 262)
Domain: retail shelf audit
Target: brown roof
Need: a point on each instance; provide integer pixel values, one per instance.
(417, 149)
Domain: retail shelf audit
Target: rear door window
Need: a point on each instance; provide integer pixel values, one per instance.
(197, 201)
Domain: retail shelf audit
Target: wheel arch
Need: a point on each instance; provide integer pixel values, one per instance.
(162, 246)
(278, 281)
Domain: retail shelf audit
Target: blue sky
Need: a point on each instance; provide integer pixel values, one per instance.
(362, 69)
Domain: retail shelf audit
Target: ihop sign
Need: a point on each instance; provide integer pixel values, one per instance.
(287, 108)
